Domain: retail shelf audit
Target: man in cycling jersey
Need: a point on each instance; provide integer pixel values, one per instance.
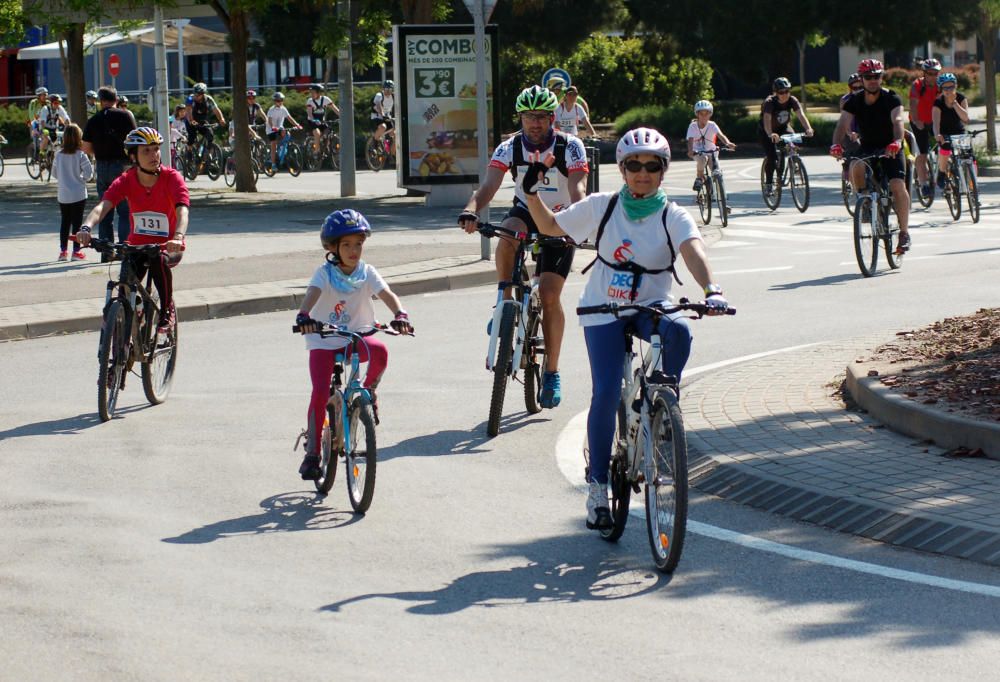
(382, 105)
(254, 111)
(878, 112)
(316, 106)
(159, 204)
(53, 117)
(923, 92)
(199, 105)
(34, 107)
(775, 121)
(565, 183)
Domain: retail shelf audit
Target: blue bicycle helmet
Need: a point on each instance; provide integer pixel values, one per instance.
(946, 78)
(342, 223)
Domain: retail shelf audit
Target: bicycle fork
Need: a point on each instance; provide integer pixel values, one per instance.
(498, 310)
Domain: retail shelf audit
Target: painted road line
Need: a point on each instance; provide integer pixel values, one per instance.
(784, 236)
(815, 253)
(570, 462)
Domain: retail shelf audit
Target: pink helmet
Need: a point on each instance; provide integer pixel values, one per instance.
(867, 66)
(642, 141)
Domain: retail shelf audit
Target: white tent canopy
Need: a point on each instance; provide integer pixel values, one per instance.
(196, 41)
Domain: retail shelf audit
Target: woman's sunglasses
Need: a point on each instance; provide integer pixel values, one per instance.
(633, 166)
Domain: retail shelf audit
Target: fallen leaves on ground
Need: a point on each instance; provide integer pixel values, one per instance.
(953, 364)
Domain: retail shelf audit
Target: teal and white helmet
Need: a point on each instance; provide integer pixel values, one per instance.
(703, 105)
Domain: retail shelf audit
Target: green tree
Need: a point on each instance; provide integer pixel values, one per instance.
(13, 23)
(555, 25)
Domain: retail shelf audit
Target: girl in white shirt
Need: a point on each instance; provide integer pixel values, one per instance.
(645, 230)
(276, 116)
(72, 169)
(701, 137)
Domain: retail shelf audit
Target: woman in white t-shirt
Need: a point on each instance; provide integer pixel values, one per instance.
(701, 137)
(642, 229)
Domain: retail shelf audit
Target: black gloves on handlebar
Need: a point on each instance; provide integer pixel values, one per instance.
(533, 177)
(305, 323)
(467, 215)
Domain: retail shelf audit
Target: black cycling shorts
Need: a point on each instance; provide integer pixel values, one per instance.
(551, 258)
(891, 169)
(376, 122)
(923, 137)
(311, 125)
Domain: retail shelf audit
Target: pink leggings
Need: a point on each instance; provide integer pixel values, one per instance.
(321, 364)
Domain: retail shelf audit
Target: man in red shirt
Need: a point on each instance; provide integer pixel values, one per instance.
(159, 203)
(923, 92)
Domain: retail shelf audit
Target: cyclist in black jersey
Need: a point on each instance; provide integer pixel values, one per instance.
(199, 105)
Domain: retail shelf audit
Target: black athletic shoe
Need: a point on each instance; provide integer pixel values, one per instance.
(310, 470)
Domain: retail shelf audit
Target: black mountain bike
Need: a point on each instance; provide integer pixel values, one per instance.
(203, 154)
(329, 149)
(874, 220)
(788, 172)
(516, 341)
(128, 334)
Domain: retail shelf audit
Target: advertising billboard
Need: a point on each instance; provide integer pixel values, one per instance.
(436, 71)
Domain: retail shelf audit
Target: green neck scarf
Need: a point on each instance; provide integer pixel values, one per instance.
(640, 209)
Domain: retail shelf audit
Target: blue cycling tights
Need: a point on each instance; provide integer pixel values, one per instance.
(606, 349)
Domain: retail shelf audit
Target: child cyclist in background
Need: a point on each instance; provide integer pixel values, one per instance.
(702, 135)
(340, 293)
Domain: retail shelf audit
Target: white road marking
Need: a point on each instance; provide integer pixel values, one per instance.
(727, 244)
(750, 270)
(569, 460)
(784, 236)
(814, 253)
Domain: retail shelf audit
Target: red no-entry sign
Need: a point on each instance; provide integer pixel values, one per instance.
(114, 65)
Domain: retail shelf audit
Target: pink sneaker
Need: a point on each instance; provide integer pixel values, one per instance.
(79, 255)
(63, 256)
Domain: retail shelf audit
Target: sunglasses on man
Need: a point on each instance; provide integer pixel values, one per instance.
(633, 166)
(784, 92)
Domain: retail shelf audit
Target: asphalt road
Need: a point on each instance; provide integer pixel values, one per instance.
(177, 542)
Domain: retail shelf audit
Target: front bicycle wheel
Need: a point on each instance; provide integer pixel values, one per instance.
(849, 195)
(313, 156)
(213, 161)
(335, 153)
(328, 457)
(111, 359)
(533, 348)
(501, 369)
(293, 159)
(374, 154)
(158, 367)
(190, 165)
(704, 200)
(889, 233)
(32, 163)
(361, 456)
(47, 162)
(953, 195)
(667, 483)
(865, 236)
(1, 165)
(721, 200)
(799, 180)
(971, 191)
(772, 199)
(229, 170)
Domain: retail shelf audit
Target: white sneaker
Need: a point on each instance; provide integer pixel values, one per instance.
(598, 509)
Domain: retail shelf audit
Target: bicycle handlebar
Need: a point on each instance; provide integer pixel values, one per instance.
(327, 330)
(616, 309)
(491, 230)
(116, 249)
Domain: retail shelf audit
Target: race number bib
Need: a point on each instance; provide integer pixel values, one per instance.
(548, 183)
(151, 224)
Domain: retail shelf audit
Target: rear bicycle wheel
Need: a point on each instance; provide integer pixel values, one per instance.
(1, 165)
(667, 484)
(799, 179)
(971, 191)
(111, 360)
(501, 369)
(895, 260)
(618, 483)
(293, 159)
(329, 458)
(772, 199)
(927, 199)
(865, 236)
(721, 200)
(361, 456)
(705, 201)
(158, 368)
(533, 347)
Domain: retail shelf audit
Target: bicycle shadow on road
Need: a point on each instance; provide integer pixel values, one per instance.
(822, 281)
(65, 425)
(455, 441)
(565, 568)
(283, 513)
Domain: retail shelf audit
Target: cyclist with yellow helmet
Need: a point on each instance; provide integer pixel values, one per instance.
(565, 183)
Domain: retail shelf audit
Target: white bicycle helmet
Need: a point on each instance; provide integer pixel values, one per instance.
(642, 141)
(703, 105)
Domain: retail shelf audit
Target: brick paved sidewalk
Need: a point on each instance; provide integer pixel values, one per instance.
(774, 434)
